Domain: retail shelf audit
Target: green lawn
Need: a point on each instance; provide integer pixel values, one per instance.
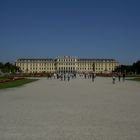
(16, 83)
(134, 79)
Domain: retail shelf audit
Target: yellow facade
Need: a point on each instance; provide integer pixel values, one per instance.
(67, 64)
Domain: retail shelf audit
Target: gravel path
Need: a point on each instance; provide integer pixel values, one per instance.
(75, 110)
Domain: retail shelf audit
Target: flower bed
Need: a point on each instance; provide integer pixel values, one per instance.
(11, 79)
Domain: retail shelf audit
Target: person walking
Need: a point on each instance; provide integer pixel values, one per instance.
(68, 77)
(123, 77)
(85, 76)
(64, 77)
(93, 76)
(119, 77)
(113, 79)
(61, 77)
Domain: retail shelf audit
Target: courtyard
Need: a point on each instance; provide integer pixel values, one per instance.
(50, 109)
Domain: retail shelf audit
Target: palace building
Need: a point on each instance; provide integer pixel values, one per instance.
(67, 64)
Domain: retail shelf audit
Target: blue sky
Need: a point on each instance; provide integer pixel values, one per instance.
(84, 28)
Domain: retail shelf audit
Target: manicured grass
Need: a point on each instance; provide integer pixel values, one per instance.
(135, 79)
(16, 83)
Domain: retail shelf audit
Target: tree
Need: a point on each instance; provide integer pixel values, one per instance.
(9, 68)
(1, 65)
(136, 67)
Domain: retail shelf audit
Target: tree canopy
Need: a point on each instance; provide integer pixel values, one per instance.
(134, 68)
(8, 68)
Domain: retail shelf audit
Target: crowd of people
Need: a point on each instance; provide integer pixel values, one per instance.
(119, 76)
(92, 76)
(64, 76)
(69, 76)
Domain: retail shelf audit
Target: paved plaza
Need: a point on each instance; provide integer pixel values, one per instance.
(75, 110)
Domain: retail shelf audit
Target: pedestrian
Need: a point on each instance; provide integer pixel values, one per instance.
(123, 77)
(64, 77)
(61, 76)
(93, 76)
(119, 77)
(68, 77)
(113, 79)
(57, 75)
(74, 75)
(85, 76)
